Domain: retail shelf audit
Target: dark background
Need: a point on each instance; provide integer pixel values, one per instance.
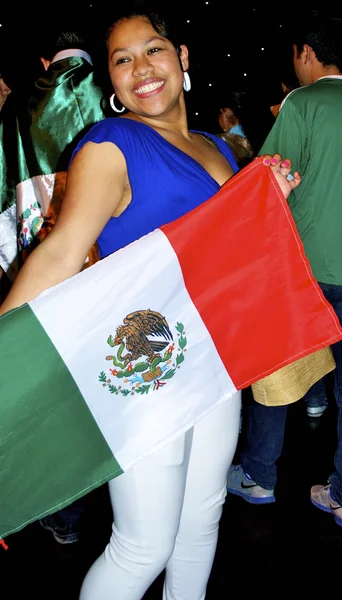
(277, 548)
(232, 45)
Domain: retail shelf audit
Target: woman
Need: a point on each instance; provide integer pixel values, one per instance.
(128, 176)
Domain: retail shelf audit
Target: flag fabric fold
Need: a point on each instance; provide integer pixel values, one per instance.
(113, 363)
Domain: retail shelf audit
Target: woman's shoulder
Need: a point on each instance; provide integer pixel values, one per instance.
(115, 130)
(106, 129)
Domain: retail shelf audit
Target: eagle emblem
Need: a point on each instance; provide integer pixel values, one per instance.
(143, 354)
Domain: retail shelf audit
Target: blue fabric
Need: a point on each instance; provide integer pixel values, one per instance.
(316, 395)
(166, 183)
(265, 428)
(237, 129)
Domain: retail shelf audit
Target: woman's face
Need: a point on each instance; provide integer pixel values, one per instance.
(4, 92)
(144, 68)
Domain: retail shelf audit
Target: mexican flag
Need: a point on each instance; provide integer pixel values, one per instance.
(108, 366)
(38, 134)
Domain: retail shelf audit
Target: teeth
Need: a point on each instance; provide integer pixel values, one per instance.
(149, 88)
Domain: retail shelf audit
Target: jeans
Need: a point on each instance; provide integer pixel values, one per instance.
(167, 510)
(316, 395)
(71, 515)
(265, 427)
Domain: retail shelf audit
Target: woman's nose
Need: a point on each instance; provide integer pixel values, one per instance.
(142, 66)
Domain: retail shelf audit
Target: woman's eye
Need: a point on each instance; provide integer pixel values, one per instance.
(121, 60)
(153, 50)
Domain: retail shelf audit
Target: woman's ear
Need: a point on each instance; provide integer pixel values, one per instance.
(184, 57)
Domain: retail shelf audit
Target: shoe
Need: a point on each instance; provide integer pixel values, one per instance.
(316, 411)
(62, 535)
(241, 484)
(315, 406)
(322, 498)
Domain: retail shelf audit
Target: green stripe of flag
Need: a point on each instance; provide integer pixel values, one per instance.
(58, 419)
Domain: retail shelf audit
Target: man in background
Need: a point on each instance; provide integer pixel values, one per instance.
(308, 129)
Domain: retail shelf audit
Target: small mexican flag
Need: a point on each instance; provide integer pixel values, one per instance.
(38, 134)
(108, 366)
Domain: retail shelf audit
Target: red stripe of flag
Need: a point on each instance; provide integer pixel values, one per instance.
(254, 287)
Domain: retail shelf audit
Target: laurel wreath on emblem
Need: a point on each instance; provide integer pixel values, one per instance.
(148, 363)
(29, 224)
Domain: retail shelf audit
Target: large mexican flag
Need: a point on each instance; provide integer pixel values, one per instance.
(108, 366)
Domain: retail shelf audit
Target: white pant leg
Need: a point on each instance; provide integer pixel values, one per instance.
(213, 446)
(147, 502)
(148, 506)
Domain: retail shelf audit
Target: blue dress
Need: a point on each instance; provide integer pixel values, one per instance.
(166, 183)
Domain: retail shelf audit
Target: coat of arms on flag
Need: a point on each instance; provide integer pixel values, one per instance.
(148, 363)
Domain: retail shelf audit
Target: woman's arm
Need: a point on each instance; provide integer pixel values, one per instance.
(95, 187)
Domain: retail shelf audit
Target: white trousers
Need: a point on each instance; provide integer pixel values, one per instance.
(166, 515)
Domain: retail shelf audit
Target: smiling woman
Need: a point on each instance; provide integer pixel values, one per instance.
(129, 176)
(141, 70)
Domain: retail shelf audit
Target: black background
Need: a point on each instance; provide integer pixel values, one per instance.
(255, 39)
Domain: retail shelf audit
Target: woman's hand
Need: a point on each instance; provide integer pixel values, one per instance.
(281, 169)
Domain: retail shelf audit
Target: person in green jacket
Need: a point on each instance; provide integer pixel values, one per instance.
(51, 115)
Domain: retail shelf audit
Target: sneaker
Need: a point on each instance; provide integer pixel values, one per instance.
(316, 411)
(322, 498)
(315, 406)
(64, 534)
(241, 484)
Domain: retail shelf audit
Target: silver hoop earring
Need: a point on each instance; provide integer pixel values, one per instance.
(186, 82)
(111, 102)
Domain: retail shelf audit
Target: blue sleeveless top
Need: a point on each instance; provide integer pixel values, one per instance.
(166, 183)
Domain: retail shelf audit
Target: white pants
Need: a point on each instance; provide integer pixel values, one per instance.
(166, 515)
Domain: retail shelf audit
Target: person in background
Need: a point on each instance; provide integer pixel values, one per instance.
(229, 114)
(55, 111)
(288, 83)
(166, 515)
(52, 113)
(245, 114)
(5, 91)
(309, 129)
